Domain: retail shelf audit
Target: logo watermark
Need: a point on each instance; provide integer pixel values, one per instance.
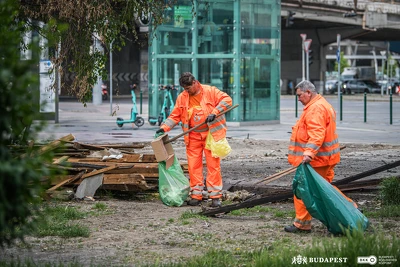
(371, 260)
(305, 260)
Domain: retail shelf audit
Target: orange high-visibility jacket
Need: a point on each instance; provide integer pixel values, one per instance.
(315, 135)
(212, 101)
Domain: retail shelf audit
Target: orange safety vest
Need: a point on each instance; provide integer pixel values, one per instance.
(315, 135)
(214, 101)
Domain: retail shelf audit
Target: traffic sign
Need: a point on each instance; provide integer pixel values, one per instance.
(338, 55)
(307, 44)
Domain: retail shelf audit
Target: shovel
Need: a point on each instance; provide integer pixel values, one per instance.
(162, 145)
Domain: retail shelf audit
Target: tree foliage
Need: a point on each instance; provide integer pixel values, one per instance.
(343, 63)
(390, 70)
(75, 24)
(20, 173)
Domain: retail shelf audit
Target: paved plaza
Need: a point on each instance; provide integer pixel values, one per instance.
(94, 123)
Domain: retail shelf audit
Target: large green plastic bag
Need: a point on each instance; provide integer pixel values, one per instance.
(173, 186)
(325, 203)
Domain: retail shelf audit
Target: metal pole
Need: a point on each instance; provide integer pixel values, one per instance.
(111, 83)
(387, 67)
(303, 77)
(296, 105)
(339, 83)
(58, 89)
(391, 107)
(341, 107)
(365, 107)
(383, 73)
(307, 66)
(141, 99)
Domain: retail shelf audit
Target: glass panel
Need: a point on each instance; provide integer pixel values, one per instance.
(258, 33)
(215, 27)
(256, 90)
(217, 72)
(168, 72)
(250, 76)
(175, 35)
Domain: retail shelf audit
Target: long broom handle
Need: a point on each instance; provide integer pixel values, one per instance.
(197, 126)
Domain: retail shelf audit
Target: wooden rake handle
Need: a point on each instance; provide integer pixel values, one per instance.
(197, 126)
(282, 173)
(277, 175)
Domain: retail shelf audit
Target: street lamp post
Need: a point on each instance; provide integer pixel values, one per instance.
(383, 53)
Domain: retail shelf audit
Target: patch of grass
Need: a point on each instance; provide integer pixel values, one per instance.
(218, 258)
(32, 263)
(251, 211)
(390, 191)
(56, 221)
(345, 249)
(191, 214)
(279, 214)
(100, 206)
(284, 214)
(384, 212)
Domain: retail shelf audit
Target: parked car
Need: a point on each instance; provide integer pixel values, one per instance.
(386, 85)
(360, 86)
(331, 86)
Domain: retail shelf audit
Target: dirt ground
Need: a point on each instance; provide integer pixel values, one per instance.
(140, 229)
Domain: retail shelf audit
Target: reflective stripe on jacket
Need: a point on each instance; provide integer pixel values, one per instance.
(315, 135)
(212, 101)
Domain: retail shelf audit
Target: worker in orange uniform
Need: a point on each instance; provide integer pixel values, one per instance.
(314, 140)
(196, 104)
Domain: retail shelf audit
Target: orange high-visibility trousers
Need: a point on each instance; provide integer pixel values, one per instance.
(194, 153)
(303, 218)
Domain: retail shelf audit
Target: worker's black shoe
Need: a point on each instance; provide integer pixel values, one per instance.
(194, 202)
(216, 203)
(294, 229)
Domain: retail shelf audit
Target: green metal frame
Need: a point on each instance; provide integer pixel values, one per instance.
(232, 44)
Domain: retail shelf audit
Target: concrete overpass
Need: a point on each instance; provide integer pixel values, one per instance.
(321, 20)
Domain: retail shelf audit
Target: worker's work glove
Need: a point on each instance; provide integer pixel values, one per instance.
(159, 132)
(210, 117)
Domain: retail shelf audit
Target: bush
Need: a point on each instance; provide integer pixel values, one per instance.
(390, 191)
(20, 174)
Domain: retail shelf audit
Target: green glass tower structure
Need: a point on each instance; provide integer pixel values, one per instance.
(231, 44)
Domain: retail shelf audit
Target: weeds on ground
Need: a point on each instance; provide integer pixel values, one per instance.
(384, 212)
(338, 251)
(191, 214)
(256, 210)
(389, 194)
(57, 221)
(31, 263)
(390, 191)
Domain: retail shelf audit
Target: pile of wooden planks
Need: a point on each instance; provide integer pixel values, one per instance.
(122, 169)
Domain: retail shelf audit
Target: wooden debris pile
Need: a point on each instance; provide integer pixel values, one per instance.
(121, 168)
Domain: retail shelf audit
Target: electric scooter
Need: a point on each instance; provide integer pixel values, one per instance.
(137, 120)
(166, 108)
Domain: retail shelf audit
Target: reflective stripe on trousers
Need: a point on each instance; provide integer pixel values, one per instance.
(303, 218)
(194, 153)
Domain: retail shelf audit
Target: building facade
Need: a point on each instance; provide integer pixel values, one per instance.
(231, 44)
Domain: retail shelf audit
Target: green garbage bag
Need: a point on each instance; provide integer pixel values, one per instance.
(325, 203)
(173, 186)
